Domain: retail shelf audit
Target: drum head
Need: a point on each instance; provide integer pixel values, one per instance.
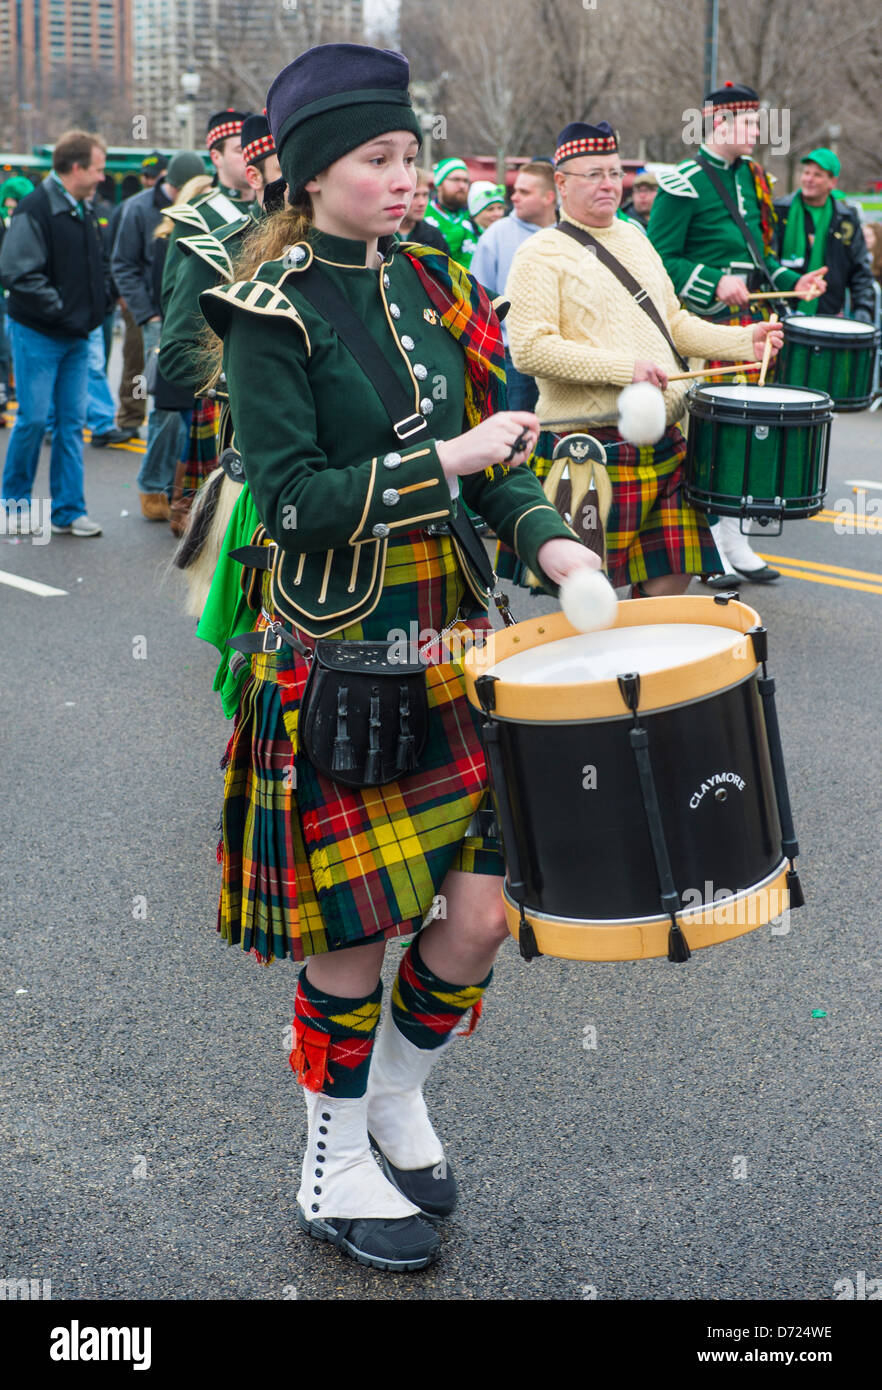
(825, 323)
(763, 395)
(602, 656)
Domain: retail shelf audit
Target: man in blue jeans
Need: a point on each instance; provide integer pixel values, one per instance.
(54, 266)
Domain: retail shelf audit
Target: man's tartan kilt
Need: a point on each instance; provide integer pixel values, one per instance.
(202, 447)
(651, 529)
(310, 865)
(739, 318)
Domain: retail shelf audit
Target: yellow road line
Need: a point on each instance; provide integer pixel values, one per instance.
(867, 523)
(825, 569)
(824, 579)
(816, 565)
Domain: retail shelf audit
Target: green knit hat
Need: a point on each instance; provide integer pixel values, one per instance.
(332, 99)
(16, 187)
(448, 166)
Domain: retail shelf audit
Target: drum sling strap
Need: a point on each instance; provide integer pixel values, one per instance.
(315, 286)
(756, 255)
(634, 288)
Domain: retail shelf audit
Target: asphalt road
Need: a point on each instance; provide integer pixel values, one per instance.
(151, 1128)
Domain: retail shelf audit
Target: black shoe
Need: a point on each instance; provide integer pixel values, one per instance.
(432, 1189)
(765, 575)
(404, 1243)
(113, 436)
(721, 581)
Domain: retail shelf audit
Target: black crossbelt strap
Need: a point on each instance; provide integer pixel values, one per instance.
(315, 286)
(756, 255)
(634, 288)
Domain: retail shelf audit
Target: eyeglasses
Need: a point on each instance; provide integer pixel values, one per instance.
(596, 176)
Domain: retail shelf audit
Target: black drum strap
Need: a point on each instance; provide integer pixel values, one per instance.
(634, 288)
(756, 255)
(315, 286)
(678, 948)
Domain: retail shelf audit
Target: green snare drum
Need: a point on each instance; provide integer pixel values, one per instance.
(758, 452)
(830, 354)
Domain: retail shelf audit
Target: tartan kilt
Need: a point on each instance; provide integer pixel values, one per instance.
(739, 318)
(202, 447)
(310, 865)
(651, 529)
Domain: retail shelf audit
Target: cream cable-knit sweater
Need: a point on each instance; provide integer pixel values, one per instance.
(575, 328)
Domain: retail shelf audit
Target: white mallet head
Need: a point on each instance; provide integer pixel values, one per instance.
(642, 413)
(588, 600)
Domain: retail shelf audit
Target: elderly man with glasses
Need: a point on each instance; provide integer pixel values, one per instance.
(584, 334)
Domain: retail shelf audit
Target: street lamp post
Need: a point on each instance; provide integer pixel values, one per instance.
(190, 83)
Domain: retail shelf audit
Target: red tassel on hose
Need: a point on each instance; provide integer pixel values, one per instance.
(477, 1009)
(309, 1058)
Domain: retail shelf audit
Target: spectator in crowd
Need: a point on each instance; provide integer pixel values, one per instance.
(448, 210)
(643, 191)
(11, 194)
(132, 265)
(413, 226)
(54, 266)
(486, 203)
(873, 238)
(816, 228)
(533, 206)
(152, 169)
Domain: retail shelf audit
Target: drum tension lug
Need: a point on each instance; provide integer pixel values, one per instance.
(794, 887)
(759, 636)
(486, 694)
(726, 597)
(629, 685)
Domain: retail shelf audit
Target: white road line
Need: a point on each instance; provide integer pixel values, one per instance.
(863, 482)
(32, 586)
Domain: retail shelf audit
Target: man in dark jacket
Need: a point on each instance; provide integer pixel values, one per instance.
(815, 229)
(54, 266)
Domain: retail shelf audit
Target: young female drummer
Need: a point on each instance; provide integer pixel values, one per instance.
(313, 868)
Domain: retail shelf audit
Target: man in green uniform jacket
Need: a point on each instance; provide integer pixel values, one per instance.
(219, 206)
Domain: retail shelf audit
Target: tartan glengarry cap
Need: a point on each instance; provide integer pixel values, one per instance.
(578, 138)
(732, 96)
(222, 125)
(332, 99)
(257, 140)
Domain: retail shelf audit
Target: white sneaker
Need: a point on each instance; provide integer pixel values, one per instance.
(82, 526)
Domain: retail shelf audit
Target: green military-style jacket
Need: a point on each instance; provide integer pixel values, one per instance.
(694, 233)
(216, 208)
(330, 480)
(206, 261)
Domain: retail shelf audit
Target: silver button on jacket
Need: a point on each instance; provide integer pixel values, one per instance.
(381, 530)
(407, 342)
(392, 461)
(427, 406)
(419, 371)
(390, 497)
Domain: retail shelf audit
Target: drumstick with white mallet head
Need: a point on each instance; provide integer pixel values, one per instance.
(642, 413)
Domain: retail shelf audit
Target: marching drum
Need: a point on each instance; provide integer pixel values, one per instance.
(638, 779)
(757, 451)
(830, 354)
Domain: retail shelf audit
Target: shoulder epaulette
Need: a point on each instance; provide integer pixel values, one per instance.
(256, 297)
(209, 249)
(679, 181)
(241, 224)
(187, 216)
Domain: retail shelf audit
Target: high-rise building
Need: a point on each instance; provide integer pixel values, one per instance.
(58, 56)
(235, 46)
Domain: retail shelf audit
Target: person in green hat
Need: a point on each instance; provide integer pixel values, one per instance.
(816, 227)
(11, 193)
(449, 212)
(486, 203)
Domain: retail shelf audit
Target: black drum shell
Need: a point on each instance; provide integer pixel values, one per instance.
(584, 850)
